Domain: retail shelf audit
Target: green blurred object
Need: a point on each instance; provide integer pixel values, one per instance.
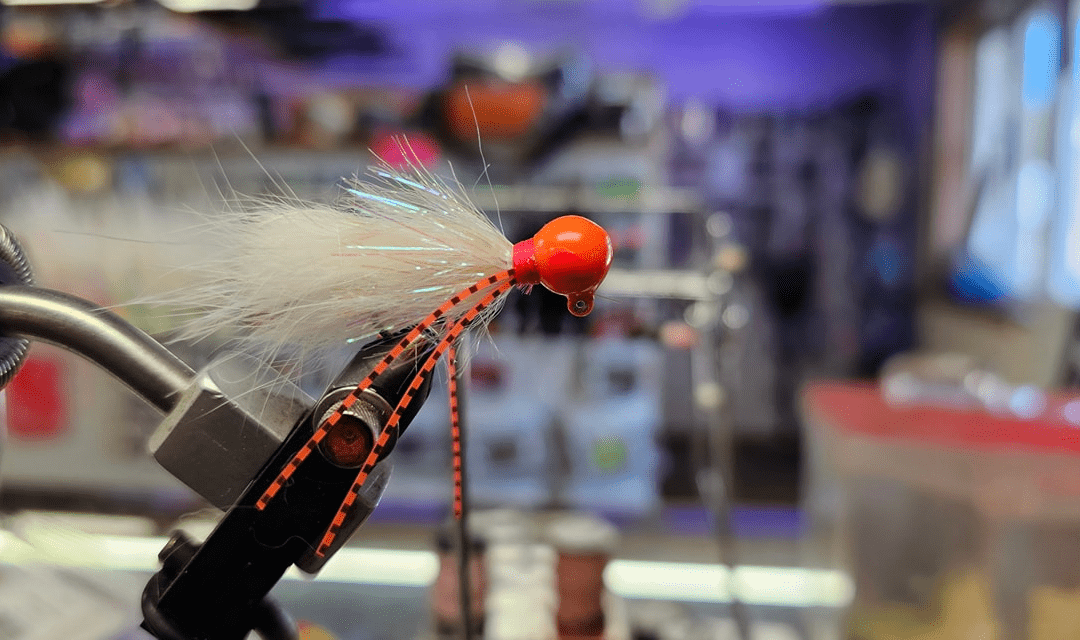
(619, 188)
(609, 454)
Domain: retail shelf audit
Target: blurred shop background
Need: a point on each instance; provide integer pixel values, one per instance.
(829, 390)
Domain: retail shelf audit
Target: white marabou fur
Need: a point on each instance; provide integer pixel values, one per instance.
(294, 274)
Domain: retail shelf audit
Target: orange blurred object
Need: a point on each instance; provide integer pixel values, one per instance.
(501, 110)
(309, 631)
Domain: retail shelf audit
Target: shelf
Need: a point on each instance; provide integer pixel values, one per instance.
(633, 283)
(540, 199)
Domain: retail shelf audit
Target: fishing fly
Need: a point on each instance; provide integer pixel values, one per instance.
(403, 251)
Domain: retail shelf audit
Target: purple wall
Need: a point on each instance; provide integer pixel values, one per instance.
(796, 54)
(780, 62)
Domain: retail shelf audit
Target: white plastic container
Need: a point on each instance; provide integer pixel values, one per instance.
(507, 436)
(610, 430)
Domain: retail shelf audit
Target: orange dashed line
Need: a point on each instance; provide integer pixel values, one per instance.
(354, 490)
(445, 344)
(370, 462)
(333, 419)
(455, 431)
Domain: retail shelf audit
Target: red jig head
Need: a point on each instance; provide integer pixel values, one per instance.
(570, 256)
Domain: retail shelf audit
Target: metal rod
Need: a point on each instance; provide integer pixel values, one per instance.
(99, 335)
(716, 480)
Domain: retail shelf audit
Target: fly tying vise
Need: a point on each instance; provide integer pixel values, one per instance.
(403, 254)
(408, 237)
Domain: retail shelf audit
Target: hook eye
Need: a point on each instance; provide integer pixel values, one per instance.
(580, 304)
